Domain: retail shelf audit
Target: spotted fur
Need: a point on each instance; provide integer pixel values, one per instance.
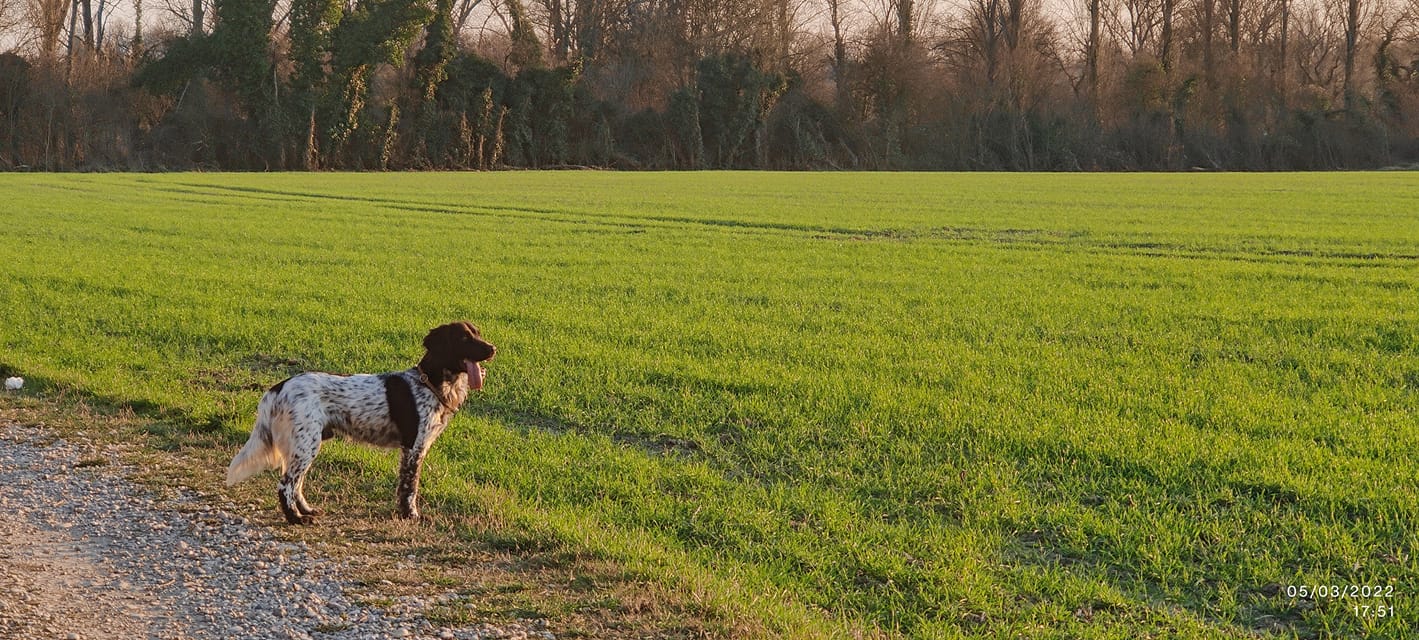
(395, 409)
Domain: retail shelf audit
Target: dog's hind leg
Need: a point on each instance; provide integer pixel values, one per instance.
(290, 492)
(301, 505)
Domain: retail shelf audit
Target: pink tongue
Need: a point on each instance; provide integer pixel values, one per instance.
(475, 374)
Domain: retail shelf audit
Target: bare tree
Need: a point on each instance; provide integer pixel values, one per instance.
(1091, 53)
(1313, 48)
(1206, 25)
(1389, 70)
(1234, 25)
(69, 48)
(1352, 41)
(839, 62)
(1165, 47)
(783, 32)
(47, 19)
(177, 15)
(1283, 41)
(10, 16)
(903, 11)
(1134, 24)
(462, 11)
(555, 18)
(136, 46)
(85, 8)
(981, 35)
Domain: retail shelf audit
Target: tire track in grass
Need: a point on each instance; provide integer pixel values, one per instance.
(1010, 237)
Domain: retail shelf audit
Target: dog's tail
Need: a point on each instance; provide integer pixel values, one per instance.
(260, 452)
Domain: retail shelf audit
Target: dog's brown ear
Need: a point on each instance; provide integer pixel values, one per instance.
(437, 335)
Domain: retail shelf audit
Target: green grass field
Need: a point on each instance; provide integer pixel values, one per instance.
(994, 405)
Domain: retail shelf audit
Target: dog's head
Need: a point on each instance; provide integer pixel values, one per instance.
(457, 347)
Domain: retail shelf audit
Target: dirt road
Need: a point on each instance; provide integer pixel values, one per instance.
(85, 553)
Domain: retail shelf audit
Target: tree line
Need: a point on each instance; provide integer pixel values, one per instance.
(690, 84)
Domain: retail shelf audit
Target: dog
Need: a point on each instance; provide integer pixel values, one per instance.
(406, 409)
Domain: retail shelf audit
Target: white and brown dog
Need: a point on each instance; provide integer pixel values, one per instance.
(406, 409)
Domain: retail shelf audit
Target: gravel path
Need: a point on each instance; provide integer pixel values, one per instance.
(87, 554)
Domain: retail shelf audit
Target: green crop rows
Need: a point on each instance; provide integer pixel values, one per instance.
(996, 405)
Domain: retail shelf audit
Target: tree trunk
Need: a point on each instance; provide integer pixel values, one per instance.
(1166, 49)
(88, 23)
(783, 35)
(1234, 25)
(989, 20)
(904, 20)
(100, 23)
(73, 24)
(1209, 73)
(586, 28)
(310, 160)
(1014, 21)
(1352, 37)
(137, 47)
(556, 15)
(1281, 58)
(1091, 57)
(839, 54)
(199, 18)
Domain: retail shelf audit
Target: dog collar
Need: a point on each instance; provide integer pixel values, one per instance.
(424, 378)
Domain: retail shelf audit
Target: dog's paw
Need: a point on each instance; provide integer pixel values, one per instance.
(301, 519)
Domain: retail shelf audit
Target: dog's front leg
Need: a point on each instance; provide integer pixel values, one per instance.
(410, 459)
